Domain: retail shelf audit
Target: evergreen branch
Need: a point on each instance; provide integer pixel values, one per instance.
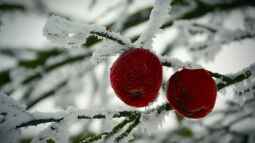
(48, 68)
(238, 77)
(52, 67)
(208, 28)
(234, 79)
(5, 76)
(107, 135)
(227, 80)
(36, 122)
(47, 94)
(120, 114)
(5, 7)
(114, 37)
(93, 138)
(224, 128)
(119, 126)
(202, 8)
(40, 60)
(220, 76)
(129, 129)
(242, 36)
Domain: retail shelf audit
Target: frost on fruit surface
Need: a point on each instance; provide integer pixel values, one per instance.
(67, 32)
(158, 16)
(11, 115)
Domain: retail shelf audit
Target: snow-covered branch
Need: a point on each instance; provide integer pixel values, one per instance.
(104, 115)
(72, 33)
(224, 80)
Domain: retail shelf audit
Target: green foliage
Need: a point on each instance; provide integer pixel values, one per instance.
(178, 2)
(50, 141)
(41, 58)
(92, 40)
(26, 140)
(4, 7)
(185, 132)
(4, 77)
(79, 137)
(137, 18)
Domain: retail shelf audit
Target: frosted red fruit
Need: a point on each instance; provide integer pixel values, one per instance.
(136, 77)
(192, 92)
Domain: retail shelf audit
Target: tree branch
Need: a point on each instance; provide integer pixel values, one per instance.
(114, 37)
(47, 94)
(227, 80)
(120, 114)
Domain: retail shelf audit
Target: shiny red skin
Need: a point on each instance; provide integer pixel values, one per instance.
(192, 92)
(136, 77)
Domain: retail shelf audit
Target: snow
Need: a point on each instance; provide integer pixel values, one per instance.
(11, 115)
(158, 16)
(67, 32)
(177, 64)
(153, 122)
(252, 69)
(108, 48)
(73, 33)
(56, 132)
(245, 126)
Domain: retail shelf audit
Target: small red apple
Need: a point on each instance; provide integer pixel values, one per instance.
(192, 92)
(136, 77)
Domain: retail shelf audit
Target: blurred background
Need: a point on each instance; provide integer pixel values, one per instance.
(47, 77)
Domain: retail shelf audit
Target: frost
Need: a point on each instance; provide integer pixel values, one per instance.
(252, 69)
(158, 16)
(200, 39)
(177, 64)
(245, 126)
(54, 115)
(67, 32)
(206, 40)
(11, 115)
(226, 35)
(18, 75)
(55, 132)
(151, 122)
(58, 132)
(244, 92)
(176, 11)
(103, 33)
(249, 24)
(108, 48)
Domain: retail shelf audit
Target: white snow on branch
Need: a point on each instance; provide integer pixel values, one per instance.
(177, 64)
(67, 32)
(108, 48)
(59, 131)
(153, 121)
(158, 16)
(72, 33)
(56, 132)
(252, 69)
(246, 125)
(116, 37)
(206, 40)
(11, 115)
(246, 71)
